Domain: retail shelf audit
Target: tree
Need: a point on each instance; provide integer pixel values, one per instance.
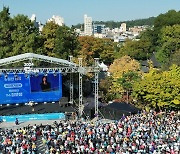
(66, 42)
(127, 80)
(96, 48)
(174, 58)
(25, 36)
(168, 19)
(139, 50)
(117, 69)
(49, 34)
(104, 86)
(123, 65)
(159, 89)
(6, 28)
(107, 53)
(169, 39)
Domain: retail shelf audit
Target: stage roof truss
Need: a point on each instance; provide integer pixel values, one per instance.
(31, 56)
(75, 69)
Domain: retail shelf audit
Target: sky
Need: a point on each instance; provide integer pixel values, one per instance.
(100, 10)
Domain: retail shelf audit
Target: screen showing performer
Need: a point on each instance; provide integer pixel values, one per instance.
(45, 85)
(42, 83)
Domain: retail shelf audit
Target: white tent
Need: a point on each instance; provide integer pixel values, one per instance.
(103, 66)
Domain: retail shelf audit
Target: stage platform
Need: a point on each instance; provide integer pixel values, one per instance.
(40, 108)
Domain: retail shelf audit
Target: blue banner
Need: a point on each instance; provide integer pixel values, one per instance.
(27, 117)
(19, 88)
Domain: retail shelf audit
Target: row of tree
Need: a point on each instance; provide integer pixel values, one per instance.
(159, 87)
(19, 35)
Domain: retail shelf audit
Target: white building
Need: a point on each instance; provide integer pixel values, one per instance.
(57, 20)
(36, 24)
(87, 25)
(123, 27)
(33, 18)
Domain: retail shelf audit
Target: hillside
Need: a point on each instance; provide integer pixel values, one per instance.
(130, 23)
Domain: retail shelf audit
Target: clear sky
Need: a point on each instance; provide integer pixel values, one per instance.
(100, 10)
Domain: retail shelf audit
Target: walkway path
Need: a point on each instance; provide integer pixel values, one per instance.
(11, 125)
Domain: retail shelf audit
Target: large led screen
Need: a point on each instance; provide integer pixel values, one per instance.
(20, 88)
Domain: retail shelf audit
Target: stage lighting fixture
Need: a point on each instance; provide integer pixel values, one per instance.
(15, 76)
(64, 74)
(6, 75)
(26, 75)
(55, 73)
(36, 74)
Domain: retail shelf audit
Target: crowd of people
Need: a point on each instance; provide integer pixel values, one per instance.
(19, 141)
(140, 133)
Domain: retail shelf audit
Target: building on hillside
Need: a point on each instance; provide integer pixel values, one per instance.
(57, 20)
(136, 30)
(99, 35)
(123, 27)
(87, 25)
(145, 63)
(120, 38)
(98, 29)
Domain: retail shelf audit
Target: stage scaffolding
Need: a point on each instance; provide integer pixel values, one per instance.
(64, 67)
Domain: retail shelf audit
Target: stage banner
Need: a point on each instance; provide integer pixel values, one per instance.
(27, 117)
(20, 88)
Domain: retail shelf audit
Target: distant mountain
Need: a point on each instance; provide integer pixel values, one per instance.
(129, 23)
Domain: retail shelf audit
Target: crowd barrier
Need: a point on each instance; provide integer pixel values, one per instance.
(28, 117)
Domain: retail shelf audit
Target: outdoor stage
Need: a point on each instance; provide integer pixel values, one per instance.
(40, 111)
(38, 78)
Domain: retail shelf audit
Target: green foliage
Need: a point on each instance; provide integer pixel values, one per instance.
(59, 41)
(66, 42)
(139, 50)
(163, 20)
(104, 87)
(25, 36)
(117, 69)
(18, 35)
(127, 80)
(174, 58)
(168, 19)
(6, 28)
(49, 35)
(159, 88)
(169, 39)
(96, 48)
